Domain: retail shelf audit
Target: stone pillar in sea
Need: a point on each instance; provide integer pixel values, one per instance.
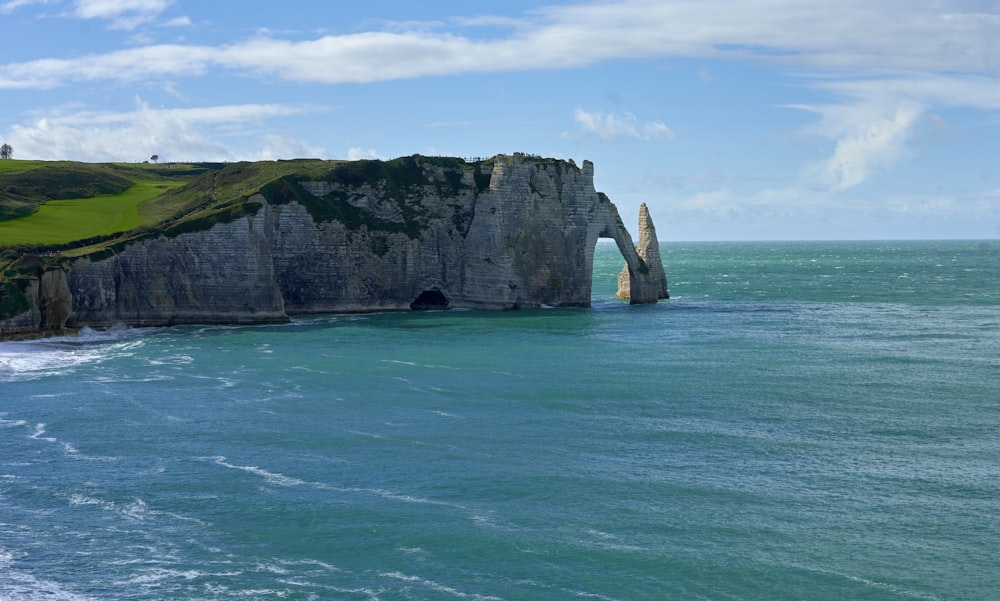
(648, 249)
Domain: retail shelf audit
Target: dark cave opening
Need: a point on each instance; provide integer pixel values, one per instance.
(430, 300)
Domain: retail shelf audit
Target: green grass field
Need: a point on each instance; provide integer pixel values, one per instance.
(9, 165)
(63, 221)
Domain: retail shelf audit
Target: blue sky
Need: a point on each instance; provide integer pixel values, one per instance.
(732, 120)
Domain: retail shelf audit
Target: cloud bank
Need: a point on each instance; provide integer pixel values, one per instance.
(898, 35)
(173, 134)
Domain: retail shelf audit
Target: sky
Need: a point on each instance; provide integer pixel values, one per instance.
(730, 119)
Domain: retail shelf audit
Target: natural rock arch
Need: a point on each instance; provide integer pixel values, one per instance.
(647, 282)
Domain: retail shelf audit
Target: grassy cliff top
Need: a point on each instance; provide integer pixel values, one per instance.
(64, 209)
(52, 212)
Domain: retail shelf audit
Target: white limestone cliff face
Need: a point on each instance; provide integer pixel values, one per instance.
(223, 275)
(449, 240)
(649, 250)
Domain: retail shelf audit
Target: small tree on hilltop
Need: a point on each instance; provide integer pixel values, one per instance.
(155, 158)
(6, 151)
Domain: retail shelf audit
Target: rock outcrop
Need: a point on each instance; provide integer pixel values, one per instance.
(416, 233)
(648, 249)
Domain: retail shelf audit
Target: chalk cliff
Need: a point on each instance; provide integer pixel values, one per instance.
(415, 233)
(649, 250)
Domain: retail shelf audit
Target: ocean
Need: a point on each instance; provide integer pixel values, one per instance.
(800, 421)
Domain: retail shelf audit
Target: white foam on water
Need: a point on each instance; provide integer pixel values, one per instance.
(70, 450)
(415, 364)
(586, 595)
(310, 562)
(432, 585)
(366, 434)
(157, 575)
(283, 480)
(892, 588)
(39, 430)
(272, 477)
(395, 496)
(20, 585)
(32, 359)
(11, 423)
(134, 511)
(173, 360)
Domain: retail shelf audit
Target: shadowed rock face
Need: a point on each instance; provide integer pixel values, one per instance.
(517, 232)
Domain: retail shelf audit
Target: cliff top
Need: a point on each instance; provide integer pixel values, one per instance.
(65, 209)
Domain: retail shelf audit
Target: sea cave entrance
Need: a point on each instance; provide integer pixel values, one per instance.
(430, 300)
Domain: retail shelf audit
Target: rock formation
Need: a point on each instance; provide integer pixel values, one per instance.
(414, 233)
(648, 249)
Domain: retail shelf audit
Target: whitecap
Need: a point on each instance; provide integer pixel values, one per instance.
(310, 562)
(430, 584)
(39, 430)
(158, 575)
(11, 423)
(19, 585)
(272, 477)
(136, 511)
(69, 449)
(61, 355)
(586, 595)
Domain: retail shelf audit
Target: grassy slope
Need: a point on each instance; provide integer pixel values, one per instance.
(63, 221)
(9, 165)
(171, 199)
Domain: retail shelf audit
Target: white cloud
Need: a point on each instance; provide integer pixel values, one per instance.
(731, 213)
(877, 118)
(123, 14)
(168, 60)
(917, 35)
(178, 22)
(283, 147)
(12, 5)
(609, 126)
(356, 153)
(868, 139)
(174, 134)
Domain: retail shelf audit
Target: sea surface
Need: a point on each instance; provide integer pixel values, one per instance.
(800, 421)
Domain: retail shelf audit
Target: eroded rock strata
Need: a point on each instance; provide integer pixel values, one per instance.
(519, 231)
(648, 249)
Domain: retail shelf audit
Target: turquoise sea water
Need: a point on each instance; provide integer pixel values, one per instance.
(801, 421)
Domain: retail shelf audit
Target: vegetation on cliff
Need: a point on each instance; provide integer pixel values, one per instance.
(53, 212)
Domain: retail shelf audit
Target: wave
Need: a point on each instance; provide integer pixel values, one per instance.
(61, 355)
(134, 511)
(18, 585)
(415, 364)
(283, 480)
(892, 588)
(272, 477)
(435, 586)
(70, 450)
